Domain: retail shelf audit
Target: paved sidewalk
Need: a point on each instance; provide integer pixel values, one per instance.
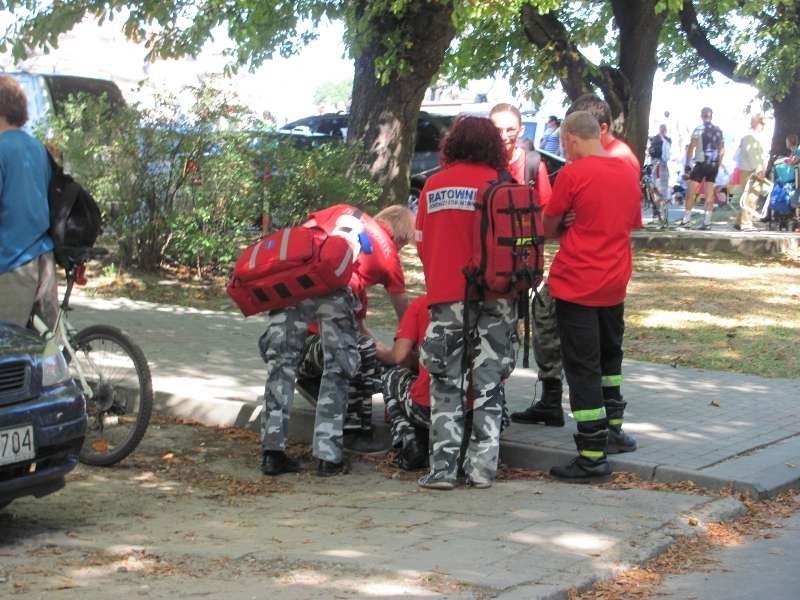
(714, 428)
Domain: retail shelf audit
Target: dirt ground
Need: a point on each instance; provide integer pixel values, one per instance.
(185, 516)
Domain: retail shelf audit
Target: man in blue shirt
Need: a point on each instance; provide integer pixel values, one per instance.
(27, 268)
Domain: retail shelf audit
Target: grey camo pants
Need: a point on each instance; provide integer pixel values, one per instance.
(281, 346)
(404, 413)
(546, 343)
(360, 388)
(492, 344)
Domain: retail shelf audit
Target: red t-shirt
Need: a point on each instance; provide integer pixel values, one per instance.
(516, 167)
(382, 266)
(412, 327)
(619, 149)
(593, 263)
(445, 225)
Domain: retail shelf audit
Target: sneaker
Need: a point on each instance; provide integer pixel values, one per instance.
(276, 462)
(703, 227)
(477, 483)
(434, 482)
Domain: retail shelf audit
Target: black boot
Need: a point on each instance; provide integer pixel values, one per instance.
(329, 469)
(414, 455)
(618, 440)
(360, 441)
(276, 462)
(308, 388)
(548, 410)
(590, 466)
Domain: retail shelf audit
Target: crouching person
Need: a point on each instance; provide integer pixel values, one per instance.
(588, 279)
(281, 346)
(406, 388)
(458, 357)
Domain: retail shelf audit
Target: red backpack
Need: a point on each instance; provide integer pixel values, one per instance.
(288, 266)
(510, 256)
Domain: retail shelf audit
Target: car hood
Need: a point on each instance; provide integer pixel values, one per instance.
(16, 340)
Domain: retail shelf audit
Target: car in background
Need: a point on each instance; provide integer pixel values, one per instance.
(553, 162)
(42, 416)
(47, 93)
(333, 126)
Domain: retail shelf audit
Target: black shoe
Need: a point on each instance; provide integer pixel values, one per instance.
(413, 456)
(308, 388)
(583, 470)
(329, 469)
(362, 442)
(547, 410)
(703, 227)
(538, 412)
(619, 441)
(276, 462)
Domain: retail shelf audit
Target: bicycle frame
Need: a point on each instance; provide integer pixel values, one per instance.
(57, 340)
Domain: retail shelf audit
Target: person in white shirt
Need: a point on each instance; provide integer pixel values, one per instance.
(750, 159)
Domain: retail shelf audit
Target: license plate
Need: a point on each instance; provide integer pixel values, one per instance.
(16, 445)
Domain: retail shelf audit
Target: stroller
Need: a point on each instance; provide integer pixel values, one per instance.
(783, 198)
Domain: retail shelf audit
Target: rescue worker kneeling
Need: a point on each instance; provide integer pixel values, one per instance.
(472, 154)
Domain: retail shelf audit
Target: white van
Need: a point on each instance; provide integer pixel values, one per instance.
(47, 93)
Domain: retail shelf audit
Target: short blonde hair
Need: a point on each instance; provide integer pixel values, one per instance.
(581, 124)
(400, 221)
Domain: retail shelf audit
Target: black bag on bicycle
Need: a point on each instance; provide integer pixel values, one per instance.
(75, 220)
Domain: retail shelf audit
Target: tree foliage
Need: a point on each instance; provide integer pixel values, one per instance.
(754, 42)
(751, 42)
(397, 41)
(538, 44)
(335, 93)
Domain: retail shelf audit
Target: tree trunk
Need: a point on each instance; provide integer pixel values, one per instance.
(639, 32)
(786, 115)
(383, 116)
(627, 87)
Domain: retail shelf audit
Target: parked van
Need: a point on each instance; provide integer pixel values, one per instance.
(47, 93)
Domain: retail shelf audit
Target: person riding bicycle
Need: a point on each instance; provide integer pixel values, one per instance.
(27, 268)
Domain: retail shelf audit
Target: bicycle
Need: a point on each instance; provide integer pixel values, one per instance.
(652, 198)
(112, 372)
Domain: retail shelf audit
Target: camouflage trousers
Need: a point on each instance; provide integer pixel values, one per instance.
(281, 346)
(405, 415)
(490, 343)
(546, 343)
(360, 388)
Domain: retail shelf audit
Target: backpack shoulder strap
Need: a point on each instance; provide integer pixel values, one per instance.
(532, 160)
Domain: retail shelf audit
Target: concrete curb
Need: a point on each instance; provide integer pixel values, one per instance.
(649, 546)
(748, 244)
(762, 483)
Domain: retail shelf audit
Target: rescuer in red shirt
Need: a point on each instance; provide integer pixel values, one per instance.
(406, 388)
(588, 279)
(546, 342)
(472, 155)
(386, 233)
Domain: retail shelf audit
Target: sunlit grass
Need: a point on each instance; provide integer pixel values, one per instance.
(707, 310)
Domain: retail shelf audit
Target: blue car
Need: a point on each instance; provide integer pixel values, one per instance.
(42, 416)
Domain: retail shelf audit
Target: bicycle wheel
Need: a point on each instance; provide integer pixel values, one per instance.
(116, 370)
